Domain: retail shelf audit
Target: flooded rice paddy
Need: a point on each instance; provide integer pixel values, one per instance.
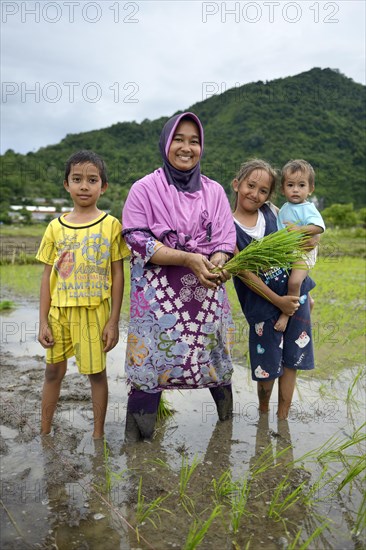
(250, 483)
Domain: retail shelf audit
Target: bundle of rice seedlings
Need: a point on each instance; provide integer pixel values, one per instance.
(280, 249)
(165, 409)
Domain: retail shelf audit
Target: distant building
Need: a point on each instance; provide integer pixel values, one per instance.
(38, 213)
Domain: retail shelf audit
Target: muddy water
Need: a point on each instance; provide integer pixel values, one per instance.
(67, 491)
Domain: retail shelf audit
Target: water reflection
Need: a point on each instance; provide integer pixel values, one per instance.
(79, 514)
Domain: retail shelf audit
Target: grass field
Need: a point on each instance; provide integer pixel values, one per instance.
(338, 316)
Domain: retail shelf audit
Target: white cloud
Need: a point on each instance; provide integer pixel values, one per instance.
(73, 75)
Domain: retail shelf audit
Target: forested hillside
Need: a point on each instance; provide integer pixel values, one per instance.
(317, 115)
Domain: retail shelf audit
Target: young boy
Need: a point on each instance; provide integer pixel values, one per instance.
(81, 288)
(298, 182)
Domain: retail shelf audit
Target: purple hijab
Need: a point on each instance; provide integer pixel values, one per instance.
(187, 181)
(183, 210)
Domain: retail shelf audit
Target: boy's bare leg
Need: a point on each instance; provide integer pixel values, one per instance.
(264, 390)
(286, 388)
(53, 377)
(99, 391)
(294, 286)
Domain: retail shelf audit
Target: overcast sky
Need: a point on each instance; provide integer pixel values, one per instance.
(74, 66)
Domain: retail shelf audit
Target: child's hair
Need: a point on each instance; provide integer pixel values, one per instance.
(256, 164)
(84, 156)
(298, 165)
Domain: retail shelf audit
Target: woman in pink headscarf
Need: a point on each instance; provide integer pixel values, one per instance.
(178, 226)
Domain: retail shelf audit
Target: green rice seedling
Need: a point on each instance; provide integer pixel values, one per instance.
(108, 478)
(332, 449)
(159, 462)
(279, 249)
(164, 410)
(353, 470)
(185, 475)
(223, 487)
(238, 501)
(146, 511)
(263, 462)
(360, 523)
(119, 477)
(106, 485)
(268, 459)
(296, 545)
(312, 495)
(109, 475)
(281, 501)
(335, 453)
(5, 305)
(198, 530)
(358, 468)
(350, 398)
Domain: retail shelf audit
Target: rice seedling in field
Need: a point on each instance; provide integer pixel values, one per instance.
(233, 494)
(296, 545)
(198, 530)
(223, 487)
(108, 472)
(145, 511)
(268, 459)
(336, 452)
(360, 522)
(159, 462)
(282, 499)
(5, 305)
(358, 468)
(351, 389)
(238, 501)
(109, 475)
(332, 448)
(350, 454)
(322, 489)
(185, 475)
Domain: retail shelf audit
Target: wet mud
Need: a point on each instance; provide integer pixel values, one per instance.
(68, 491)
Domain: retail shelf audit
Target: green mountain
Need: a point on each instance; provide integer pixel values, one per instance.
(317, 115)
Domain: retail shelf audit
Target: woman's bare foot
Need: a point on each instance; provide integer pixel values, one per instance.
(281, 323)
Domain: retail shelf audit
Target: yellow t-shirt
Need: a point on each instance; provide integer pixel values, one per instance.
(81, 256)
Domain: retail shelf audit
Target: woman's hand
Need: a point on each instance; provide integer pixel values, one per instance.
(219, 259)
(202, 267)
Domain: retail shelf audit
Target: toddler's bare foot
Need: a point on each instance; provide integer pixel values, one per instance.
(281, 323)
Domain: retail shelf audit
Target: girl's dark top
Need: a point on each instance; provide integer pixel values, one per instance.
(256, 308)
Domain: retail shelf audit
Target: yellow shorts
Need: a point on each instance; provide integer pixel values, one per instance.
(77, 331)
